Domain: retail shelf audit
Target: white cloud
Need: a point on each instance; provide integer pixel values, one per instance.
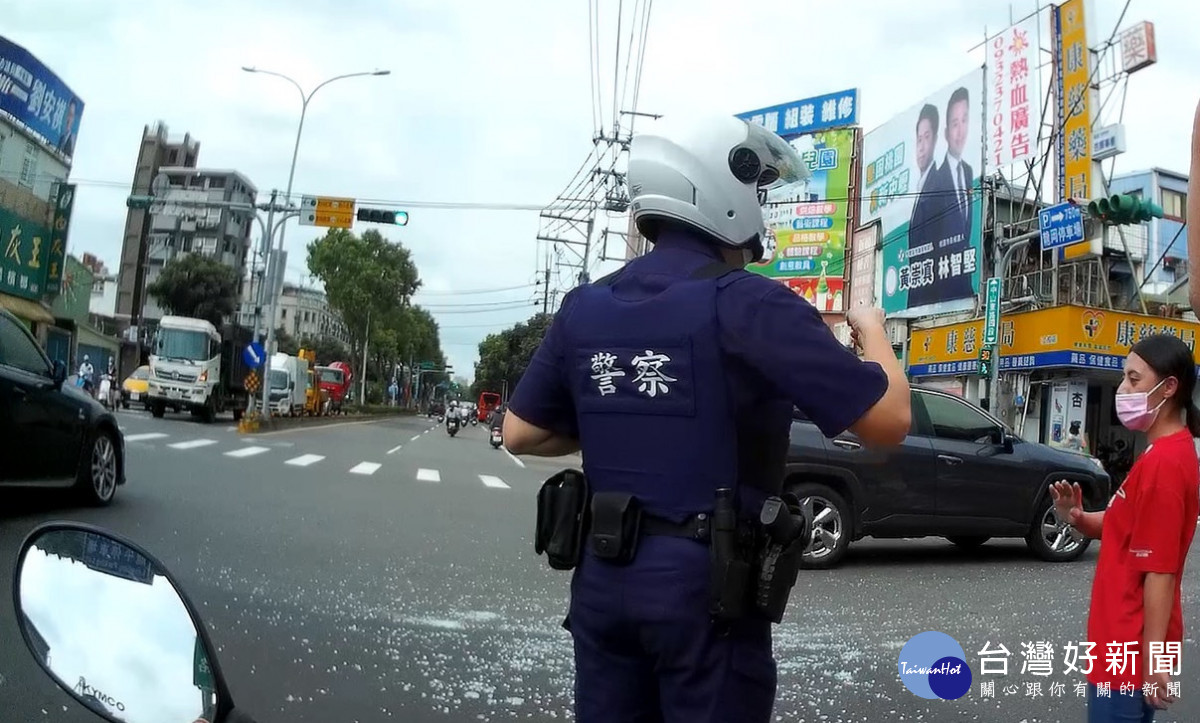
(490, 102)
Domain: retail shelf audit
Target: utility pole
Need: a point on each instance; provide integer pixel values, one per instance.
(546, 288)
(1002, 256)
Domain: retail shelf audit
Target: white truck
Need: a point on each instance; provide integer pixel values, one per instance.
(288, 377)
(194, 366)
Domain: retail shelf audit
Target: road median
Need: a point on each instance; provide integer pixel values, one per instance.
(256, 425)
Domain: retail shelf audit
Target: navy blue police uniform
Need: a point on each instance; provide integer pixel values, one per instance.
(678, 376)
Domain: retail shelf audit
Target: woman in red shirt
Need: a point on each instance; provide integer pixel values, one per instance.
(1144, 537)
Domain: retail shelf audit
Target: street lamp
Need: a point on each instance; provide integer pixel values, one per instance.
(304, 99)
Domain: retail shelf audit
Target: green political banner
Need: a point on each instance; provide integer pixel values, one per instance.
(25, 257)
(807, 222)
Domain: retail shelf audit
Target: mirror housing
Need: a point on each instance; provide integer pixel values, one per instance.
(58, 372)
(68, 575)
(1004, 439)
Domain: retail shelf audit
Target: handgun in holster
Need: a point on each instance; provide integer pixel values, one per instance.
(785, 530)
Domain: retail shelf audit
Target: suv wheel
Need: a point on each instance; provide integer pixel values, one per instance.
(97, 479)
(831, 518)
(1054, 541)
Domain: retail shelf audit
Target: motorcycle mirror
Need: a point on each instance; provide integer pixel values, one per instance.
(113, 629)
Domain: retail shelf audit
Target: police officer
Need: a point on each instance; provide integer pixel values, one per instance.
(675, 376)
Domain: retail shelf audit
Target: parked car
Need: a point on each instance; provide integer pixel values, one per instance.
(960, 474)
(53, 434)
(136, 386)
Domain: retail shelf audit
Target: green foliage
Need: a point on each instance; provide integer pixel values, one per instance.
(505, 356)
(327, 348)
(197, 286)
(370, 281)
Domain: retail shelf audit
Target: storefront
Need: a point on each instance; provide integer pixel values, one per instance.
(1058, 366)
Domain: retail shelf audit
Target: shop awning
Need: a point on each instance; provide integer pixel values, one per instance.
(26, 309)
(90, 336)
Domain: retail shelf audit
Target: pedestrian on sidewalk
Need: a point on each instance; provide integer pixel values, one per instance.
(1145, 534)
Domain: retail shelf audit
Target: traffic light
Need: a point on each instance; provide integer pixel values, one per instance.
(380, 215)
(985, 361)
(1122, 209)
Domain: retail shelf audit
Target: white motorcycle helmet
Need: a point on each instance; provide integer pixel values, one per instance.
(711, 175)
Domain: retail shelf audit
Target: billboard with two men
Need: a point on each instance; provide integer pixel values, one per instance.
(921, 179)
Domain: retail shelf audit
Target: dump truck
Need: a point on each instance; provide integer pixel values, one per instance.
(335, 381)
(197, 367)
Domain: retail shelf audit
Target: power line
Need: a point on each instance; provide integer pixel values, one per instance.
(475, 291)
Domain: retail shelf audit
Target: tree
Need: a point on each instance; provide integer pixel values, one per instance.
(503, 357)
(327, 348)
(370, 281)
(197, 286)
(286, 343)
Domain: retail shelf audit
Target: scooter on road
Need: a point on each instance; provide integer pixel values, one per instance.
(497, 438)
(452, 425)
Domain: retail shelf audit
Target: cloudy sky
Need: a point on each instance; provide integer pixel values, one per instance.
(491, 102)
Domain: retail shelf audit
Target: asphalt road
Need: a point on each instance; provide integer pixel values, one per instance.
(382, 570)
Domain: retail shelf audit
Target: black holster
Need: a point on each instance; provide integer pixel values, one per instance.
(729, 567)
(785, 531)
(615, 526)
(562, 508)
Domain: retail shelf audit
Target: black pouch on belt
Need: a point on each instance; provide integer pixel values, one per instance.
(562, 506)
(615, 526)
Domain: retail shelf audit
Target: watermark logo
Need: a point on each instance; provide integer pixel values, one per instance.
(933, 665)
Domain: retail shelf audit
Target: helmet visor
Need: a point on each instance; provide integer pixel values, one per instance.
(781, 164)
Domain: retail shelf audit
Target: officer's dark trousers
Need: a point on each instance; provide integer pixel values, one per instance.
(646, 650)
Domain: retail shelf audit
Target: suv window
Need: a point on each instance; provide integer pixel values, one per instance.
(18, 350)
(952, 419)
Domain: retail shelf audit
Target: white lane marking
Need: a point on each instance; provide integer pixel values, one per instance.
(365, 468)
(493, 482)
(144, 437)
(247, 451)
(192, 444)
(428, 475)
(395, 449)
(305, 459)
(414, 438)
(513, 457)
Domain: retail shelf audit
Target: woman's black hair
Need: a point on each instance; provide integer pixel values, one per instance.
(1168, 356)
(1074, 426)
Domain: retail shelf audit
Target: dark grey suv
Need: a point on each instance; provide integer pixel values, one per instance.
(960, 474)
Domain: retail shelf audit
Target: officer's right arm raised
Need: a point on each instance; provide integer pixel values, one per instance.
(786, 340)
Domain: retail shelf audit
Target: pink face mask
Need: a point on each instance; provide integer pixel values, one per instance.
(1133, 409)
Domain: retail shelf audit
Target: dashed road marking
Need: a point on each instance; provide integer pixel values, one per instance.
(305, 459)
(414, 438)
(365, 468)
(192, 444)
(247, 451)
(428, 475)
(144, 437)
(493, 482)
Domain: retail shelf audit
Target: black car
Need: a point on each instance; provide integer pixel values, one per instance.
(51, 434)
(960, 474)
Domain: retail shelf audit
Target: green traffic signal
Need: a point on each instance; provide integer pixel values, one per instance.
(1123, 209)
